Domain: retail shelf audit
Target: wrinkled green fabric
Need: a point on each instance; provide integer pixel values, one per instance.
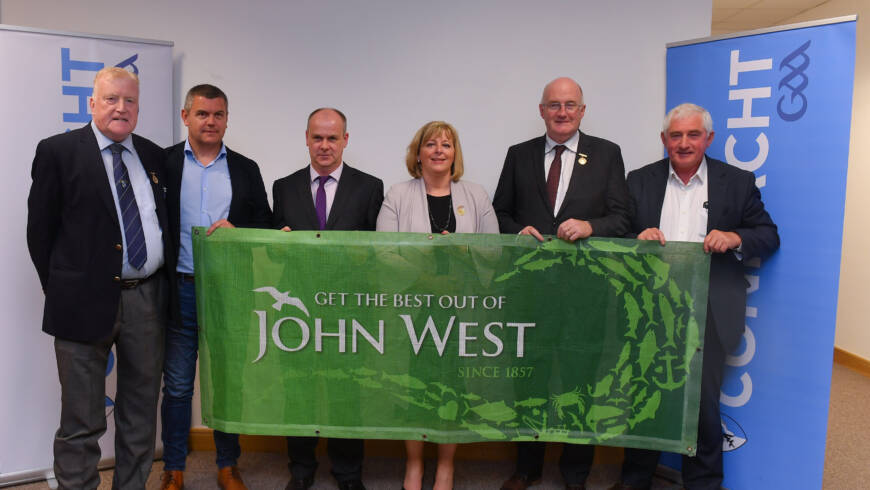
(451, 338)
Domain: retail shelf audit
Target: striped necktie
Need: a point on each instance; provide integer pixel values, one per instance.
(133, 232)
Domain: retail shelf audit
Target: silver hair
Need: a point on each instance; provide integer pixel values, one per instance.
(687, 109)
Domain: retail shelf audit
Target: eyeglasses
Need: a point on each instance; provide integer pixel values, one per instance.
(569, 106)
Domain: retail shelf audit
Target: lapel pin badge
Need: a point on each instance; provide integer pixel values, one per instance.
(460, 210)
(154, 177)
(581, 158)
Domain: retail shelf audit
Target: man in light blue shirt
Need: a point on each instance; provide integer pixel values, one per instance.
(213, 186)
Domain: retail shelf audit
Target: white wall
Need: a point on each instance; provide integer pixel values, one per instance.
(853, 309)
(393, 65)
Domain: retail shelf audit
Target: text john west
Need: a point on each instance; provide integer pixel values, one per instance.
(298, 330)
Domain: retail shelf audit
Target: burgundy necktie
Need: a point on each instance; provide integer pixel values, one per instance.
(553, 176)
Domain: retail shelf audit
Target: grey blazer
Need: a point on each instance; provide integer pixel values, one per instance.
(405, 208)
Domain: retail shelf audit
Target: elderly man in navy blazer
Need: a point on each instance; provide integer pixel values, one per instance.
(572, 185)
(209, 185)
(96, 217)
(694, 198)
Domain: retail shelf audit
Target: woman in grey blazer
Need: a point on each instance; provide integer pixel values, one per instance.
(435, 201)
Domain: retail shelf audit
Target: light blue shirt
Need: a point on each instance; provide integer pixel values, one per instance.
(141, 183)
(206, 193)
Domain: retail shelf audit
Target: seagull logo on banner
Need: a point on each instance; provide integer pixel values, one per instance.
(282, 299)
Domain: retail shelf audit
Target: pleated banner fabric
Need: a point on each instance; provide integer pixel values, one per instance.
(451, 338)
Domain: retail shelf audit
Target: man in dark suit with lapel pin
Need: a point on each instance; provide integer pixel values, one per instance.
(326, 195)
(96, 215)
(209, 185)
(691, 197)
(572, 185)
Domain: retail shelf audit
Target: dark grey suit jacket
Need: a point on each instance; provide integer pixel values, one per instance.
(355, 207)
(734, 204)
(74, 236)
(596, 193)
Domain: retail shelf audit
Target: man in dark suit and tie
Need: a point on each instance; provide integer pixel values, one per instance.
(691, 197)
(326, 195)
(96, 215)
(570, 184)
(209, 185)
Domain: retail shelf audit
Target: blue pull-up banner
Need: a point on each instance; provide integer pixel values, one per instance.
(781, 102)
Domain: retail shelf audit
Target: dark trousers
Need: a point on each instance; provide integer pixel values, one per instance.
(179, 371)
(574, 464)
(138, 339)
(346, 456)
(704, 471)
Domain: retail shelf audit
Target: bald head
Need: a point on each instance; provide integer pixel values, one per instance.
(562, 84)
(326, 138)
(562, 108)
(332, 110)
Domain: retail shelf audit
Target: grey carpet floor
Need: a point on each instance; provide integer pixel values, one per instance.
(846, 458)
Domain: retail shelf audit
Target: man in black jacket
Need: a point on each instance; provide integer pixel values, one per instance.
(581, 193)
(572, 185)
(691, 197)
(209, 185)
(327, 194)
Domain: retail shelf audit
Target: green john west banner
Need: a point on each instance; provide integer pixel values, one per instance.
(451, 338)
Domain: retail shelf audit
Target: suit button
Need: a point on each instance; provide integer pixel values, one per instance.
(118, 247)
(117, 278)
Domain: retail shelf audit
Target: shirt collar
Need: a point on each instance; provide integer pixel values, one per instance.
(336, 174)
(700, 174)
(189, 152)
(571, 144)
(103, 141)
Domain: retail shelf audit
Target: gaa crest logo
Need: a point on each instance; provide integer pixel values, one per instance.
(733, 436)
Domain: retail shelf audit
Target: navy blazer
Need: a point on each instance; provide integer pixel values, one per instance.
(734, 204)
(74, 236)
(596, 193)
(355, 206)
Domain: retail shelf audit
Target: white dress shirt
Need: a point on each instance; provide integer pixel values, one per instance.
(569, 156)
(329, 187)
(684, 210)
(144, 200)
